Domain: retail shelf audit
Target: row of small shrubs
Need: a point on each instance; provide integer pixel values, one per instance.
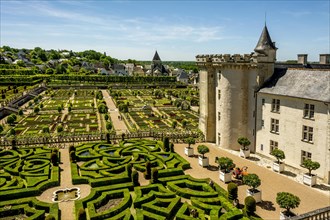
(16, 72)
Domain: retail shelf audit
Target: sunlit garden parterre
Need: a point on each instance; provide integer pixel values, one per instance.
(24, 174)
(56, 112)
(112, 171)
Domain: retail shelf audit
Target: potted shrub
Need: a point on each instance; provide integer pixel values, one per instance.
(253, 181)
(189, 151)
(225, 166)
(245, 150)
(202, 160)
(278, 166)
(309, 178)
(287, 201)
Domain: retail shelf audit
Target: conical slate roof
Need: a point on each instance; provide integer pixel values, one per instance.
(156, 56)
(265, 42)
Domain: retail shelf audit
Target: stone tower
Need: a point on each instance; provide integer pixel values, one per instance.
(228, 84)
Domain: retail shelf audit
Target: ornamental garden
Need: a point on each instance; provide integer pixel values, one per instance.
(56, 112)
(158, 110)
(25, 173)
(114, 172)
(69, 111)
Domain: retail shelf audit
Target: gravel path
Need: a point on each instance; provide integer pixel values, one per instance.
(67, 208)
(119, 125)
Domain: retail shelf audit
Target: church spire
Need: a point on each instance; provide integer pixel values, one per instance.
(265, 42)
(156, 57)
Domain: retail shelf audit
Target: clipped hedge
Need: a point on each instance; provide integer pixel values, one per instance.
(103, 199)
(143, 214)
(207, 204)
(96, 192)
(124, 215)
(30, 206)
(14, 192)
(232, 215)
(184, 213)
(163, 207)
(187, 189)
(76, 179)
(109, 181)
(91, 155)
(140, 200)
(170, 172)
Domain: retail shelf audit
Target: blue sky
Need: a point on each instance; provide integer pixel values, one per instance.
(179, 30)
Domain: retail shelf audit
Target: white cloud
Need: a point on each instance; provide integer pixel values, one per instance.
(137, 30)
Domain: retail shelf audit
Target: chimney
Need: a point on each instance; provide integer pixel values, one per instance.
(324, 58)
(302, 59)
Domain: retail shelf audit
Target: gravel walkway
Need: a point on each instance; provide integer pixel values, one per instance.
(119, 125)
(67, 208)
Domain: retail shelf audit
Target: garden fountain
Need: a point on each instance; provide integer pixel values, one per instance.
(64, 195)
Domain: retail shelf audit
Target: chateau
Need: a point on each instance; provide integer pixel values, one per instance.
(273, 104)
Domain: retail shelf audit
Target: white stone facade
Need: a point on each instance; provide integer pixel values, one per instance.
(290, 135)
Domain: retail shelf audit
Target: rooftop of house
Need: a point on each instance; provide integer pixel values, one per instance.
(182, 74)
(306, 83)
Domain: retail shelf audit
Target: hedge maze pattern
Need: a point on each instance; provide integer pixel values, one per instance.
(171, 195)
(25, 173)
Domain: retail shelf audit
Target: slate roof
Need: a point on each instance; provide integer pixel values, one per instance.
(156, 56)
(264, 41)
(301, 83)
(182, 74)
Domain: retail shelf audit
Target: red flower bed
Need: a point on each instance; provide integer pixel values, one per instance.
(92, 128)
